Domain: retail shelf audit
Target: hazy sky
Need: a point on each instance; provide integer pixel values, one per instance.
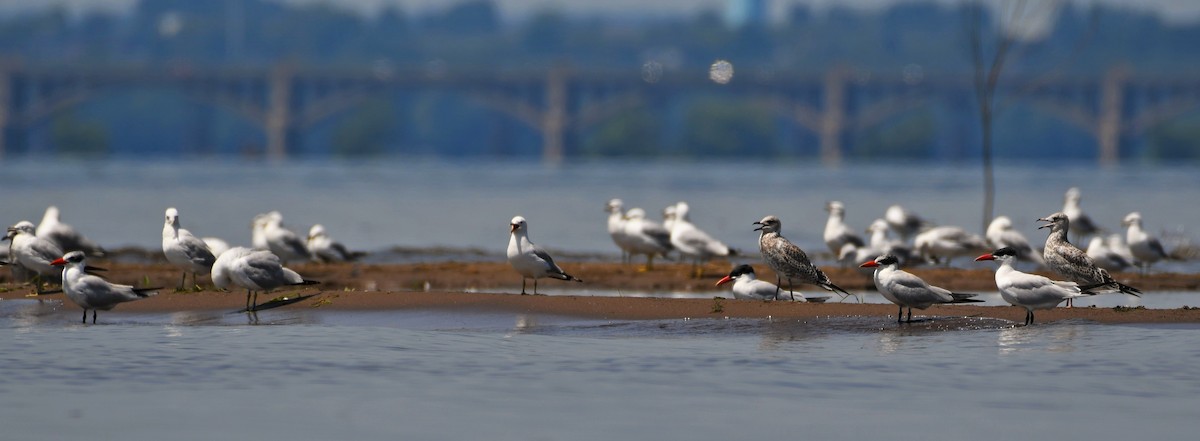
(1174, 10)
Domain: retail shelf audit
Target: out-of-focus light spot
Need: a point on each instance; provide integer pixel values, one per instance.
(170, 24)
(913, 74)
(652, 71)
(721, 72)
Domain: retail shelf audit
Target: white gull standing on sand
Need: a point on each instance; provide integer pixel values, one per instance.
(1105, 256)
(1000, 233)
(530, 260)
(646, 236)
(1081, 223)
(65, 236)
(184, 250)
(616, 228)
(788, 260)
(1146, 249)
(907, 290)
(904, 222)
(948, 242)
(33, 253)
(837, 233)
(254, 270)
(1029, 291)
(323, 248)
(92, 292)
(693, 243)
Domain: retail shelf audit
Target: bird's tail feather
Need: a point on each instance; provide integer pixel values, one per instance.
(963, 297)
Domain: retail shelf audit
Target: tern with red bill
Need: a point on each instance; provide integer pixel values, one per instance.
(907, 290)
(92, 292)
(746, 286)
(1029, 291)
(530, 260)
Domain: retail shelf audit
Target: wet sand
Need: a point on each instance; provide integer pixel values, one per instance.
(451, 286)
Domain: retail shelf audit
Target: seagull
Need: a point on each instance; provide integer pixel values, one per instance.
(1080, 222)
(92, 292)
(746, 286)
(880, 242)
(906, 223)
(1106, 257)
(905, 289)
(788, 260)
(33, 253)
(646, 236)
(255, 270)
(616, 228)
(1146, 249)
(669, 217)
(1000, 234)
(65, 236)
(1029, 291)
(530, 260)
(216, 245)
(948, 242)
(282, 241)
(184, 250)
(694, 243)
(837, 233)
(1072, 263)
(323, 248)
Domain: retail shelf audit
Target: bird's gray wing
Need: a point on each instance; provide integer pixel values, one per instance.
(197, 251)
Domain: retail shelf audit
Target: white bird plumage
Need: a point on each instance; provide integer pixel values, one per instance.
(530, 260)
(92, 292)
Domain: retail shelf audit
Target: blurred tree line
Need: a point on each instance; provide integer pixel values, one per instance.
(471, 35)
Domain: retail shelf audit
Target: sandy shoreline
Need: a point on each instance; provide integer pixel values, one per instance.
(451, 286)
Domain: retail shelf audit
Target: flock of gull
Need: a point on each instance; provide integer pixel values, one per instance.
(54, 252)
(1085, 272)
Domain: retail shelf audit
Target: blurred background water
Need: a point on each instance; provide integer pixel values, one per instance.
(467, 205)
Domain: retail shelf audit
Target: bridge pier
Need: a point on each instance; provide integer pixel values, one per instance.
(1112, 104)
(279, 118)
(833, 117)
(554, 119)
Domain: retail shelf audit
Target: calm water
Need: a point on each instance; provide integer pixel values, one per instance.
(450, 376)
(372, 206)
(438, 375)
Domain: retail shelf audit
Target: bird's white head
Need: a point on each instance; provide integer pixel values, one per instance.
(51, 214)
(614, 205)
(1055, 222)
(1132, 219)
(25, 227)
(879, 225)
(317, 230)
(769, 224)
(1072, 196)
(835, 208)
(172, 217)
(74, 258)
(518, 224)
(740, 271)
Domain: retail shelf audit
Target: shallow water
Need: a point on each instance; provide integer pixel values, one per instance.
(451, 375)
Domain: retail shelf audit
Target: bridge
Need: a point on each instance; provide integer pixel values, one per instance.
(285, 100)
